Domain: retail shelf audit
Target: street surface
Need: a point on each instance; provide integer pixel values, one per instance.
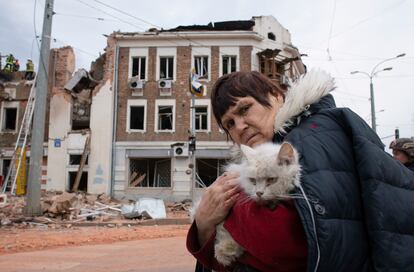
(148, 255)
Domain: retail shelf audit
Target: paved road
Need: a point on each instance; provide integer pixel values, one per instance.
(164, 254)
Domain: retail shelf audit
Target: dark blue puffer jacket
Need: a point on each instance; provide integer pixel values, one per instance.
(358, 202)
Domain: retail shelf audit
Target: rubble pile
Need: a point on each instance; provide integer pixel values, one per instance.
(184, 205)
(66, 208)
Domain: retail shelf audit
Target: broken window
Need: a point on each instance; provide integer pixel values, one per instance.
(165, 117)
(80, 113)
(83, 184)
(271, 36)
(201, 118)
(271, 63)
(229, 64)
(207, 171)
(9, 119)
(76, 159)
(136, 118)
(201, 66)
(149, 173)
(166, 67)
(138, 67)
(5, 168)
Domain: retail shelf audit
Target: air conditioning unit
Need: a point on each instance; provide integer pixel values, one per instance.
(164, 84)
(180, 151)
(136, 83)
(284, 80)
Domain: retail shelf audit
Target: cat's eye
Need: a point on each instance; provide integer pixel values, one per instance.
(270, 181)
(253, 181)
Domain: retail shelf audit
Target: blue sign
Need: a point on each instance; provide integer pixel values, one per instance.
(57, 143)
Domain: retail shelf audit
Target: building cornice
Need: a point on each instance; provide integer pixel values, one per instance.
(188, 35)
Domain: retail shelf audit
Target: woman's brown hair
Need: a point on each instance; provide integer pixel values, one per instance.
(229, 87)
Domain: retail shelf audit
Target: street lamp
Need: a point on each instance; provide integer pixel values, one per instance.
(373, 73)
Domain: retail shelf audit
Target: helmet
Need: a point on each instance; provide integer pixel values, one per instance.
(403, 144)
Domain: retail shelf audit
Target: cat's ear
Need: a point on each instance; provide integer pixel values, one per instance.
(286, 154)
(247, 151)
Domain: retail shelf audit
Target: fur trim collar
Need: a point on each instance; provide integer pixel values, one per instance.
(302, 93)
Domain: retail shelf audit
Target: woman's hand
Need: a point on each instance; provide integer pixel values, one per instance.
(215, 204)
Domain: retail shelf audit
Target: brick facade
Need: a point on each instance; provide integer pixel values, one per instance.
(180, 93)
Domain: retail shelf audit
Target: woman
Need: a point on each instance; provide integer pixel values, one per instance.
(356, 204)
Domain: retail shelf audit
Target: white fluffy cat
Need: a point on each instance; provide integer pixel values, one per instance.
(267, 173)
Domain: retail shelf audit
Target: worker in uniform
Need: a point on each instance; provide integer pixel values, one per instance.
(29, 75)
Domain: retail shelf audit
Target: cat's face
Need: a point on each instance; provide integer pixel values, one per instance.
(269, 171)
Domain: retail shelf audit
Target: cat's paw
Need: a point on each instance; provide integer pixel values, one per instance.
(227, 252)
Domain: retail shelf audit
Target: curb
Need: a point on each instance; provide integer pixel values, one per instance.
(149, 222)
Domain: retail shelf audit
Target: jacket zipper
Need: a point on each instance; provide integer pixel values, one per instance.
(314, 227)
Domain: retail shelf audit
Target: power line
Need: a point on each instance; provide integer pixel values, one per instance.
(365, 98)
(151, 24)
(393, 76)
(85, 17)
(113, 16)
(385, 10)
(330, 30)
(123, 12)
(78, 49)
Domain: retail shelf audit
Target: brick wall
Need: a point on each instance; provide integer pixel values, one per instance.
(8, 139)
(179, 92)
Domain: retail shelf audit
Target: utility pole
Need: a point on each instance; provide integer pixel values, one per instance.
(373, 73)
(33, 207)
(373, 117)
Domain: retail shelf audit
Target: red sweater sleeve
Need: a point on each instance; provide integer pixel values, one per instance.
(274, 239)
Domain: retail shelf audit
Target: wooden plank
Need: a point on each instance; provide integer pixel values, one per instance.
(82, 164)
(137, 181)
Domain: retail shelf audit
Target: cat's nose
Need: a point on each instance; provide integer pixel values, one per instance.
(259, 194)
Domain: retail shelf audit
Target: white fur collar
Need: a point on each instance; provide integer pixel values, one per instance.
(302, 93)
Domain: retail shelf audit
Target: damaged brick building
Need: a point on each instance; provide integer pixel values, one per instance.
(126, 123)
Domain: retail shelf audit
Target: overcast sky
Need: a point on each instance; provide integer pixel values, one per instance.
(358, 33)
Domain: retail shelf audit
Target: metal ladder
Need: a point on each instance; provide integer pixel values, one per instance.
(21, 143)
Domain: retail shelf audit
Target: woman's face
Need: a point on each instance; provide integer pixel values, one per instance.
(250, 123)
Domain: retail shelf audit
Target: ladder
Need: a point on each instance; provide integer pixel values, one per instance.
(21, 143)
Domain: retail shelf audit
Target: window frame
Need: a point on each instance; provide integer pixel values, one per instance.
(165, 103)
(202, 59)
(202, 103)
(167, 67)
(229, 64)
(136, 103)
(138, 52)
(139, 75)
(4, 107)
(229, 51)
(148, 173)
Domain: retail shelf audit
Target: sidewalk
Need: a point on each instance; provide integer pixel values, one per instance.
(151, 255)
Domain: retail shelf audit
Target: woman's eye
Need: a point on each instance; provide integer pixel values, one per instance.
(229, 124)
(245, 109)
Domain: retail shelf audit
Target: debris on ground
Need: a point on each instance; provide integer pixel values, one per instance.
(61, 209)
(150, 208)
